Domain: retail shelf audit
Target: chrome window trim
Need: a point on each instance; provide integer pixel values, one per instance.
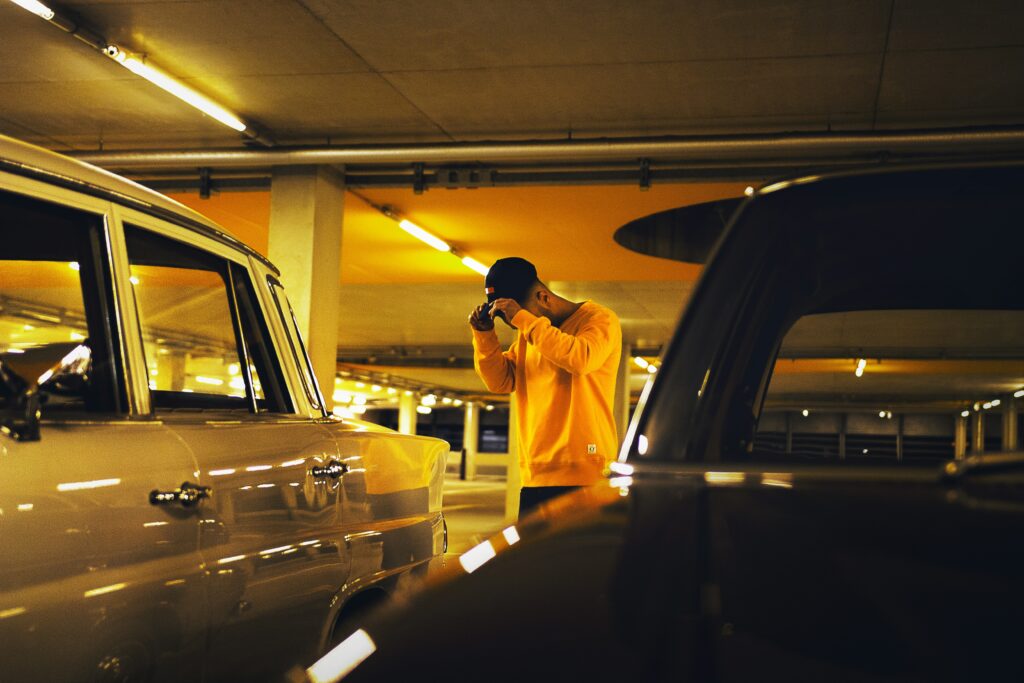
(303, 363)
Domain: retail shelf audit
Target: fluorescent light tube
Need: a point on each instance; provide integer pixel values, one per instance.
(421, 234)
(36, 8)
(179, 90)
(473, 264)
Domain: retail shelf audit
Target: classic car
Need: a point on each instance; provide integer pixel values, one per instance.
(174, 497)
(822, 483)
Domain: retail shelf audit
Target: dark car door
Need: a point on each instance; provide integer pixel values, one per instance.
(834, 392)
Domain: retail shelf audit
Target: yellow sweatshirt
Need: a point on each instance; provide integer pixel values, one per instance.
(564, 385)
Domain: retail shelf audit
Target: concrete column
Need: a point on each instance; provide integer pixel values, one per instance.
(1010, 437)
(471, 437)
(960, 438)
(621, 407)
(407, 414)
(306, 210)
(978, 440)
(513, 480)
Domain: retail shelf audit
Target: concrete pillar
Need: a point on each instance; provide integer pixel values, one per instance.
(471, 437)
(513, 480)
(1010, 437)
(306, 210)
(960, 438)
(407, 414)
(621, 406)
(978, 440)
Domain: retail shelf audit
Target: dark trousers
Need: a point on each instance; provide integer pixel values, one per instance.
(532, 496)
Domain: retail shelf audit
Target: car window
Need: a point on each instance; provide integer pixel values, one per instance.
(196, 356)
(291, 325)
(892, 384)
(916, 274)
(54, 298)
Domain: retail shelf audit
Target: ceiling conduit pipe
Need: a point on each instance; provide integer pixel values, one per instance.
(822, 146)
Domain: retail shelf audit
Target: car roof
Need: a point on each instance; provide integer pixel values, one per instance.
(24, 159)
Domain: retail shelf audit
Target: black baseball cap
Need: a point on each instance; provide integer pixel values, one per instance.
(510, 278)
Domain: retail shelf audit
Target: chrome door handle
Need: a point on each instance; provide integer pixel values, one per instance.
(188, 495)
(333, 469)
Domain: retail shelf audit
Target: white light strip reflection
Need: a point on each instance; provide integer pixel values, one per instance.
(258, 468)
(340, 661)
(621, 468)
(293, 463)
(1018, 394)
(232, 558)
(475, 558)
(80, 485)
(724, 478)
(424, 236)
(511, 535)
(36, 8)
(179, 90)
(781, 480)
(104, 590)
(220, 473)
(620, 482)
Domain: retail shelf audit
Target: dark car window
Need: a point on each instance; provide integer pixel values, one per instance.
(54, 297)
(892, 385)
(874, 245)
(192, 320)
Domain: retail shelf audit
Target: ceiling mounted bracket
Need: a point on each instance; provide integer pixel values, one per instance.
(645, 174)
(418, 180)
(205, 183)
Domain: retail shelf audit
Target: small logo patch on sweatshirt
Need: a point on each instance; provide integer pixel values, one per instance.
(591, 448)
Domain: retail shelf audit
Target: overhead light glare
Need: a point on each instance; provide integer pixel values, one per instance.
(36, 8)
(996, 403)
(965, 413)
(749, 191)
(861, 364)
(805, 412)
(473, 264)
(1018, 394)
(421, 234)
(169, 84)
(423, 410)
(641, 362)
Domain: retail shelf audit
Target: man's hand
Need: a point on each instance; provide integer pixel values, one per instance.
(480, 321)
(507, 308)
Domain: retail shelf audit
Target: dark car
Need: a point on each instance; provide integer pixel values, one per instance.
(820, 484)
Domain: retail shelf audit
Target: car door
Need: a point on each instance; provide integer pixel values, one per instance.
(95, 580)
(272, 536)
(848, 538)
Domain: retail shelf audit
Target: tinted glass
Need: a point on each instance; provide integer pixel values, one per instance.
(194, 357)
(54, 297)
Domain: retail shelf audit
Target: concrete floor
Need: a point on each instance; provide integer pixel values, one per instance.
(475, 510)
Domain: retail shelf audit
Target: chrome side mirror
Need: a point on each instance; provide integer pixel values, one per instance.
(68, 377)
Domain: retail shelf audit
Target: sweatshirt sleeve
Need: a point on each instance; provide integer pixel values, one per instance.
(579, 353)
(496, 368)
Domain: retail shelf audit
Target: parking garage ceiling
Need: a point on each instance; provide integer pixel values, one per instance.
(358, 71)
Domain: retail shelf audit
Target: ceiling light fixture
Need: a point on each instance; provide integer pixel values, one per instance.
(861, 364)
(162, 80)
(36, 8)
(429, 238)
(424, 236)
(475, 265)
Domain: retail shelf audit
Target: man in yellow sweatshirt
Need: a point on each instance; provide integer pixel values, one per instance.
(561, 368)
